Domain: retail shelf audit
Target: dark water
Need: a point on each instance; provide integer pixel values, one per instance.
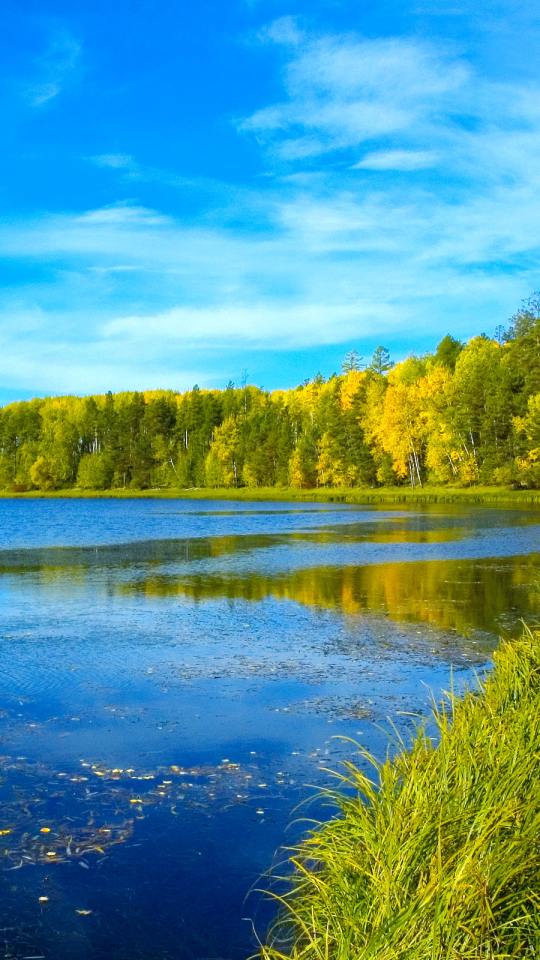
(174, 675)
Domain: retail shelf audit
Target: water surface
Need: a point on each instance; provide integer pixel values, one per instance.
(173, 677)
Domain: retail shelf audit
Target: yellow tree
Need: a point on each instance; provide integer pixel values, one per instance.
(226, 448)
(405, 417)
(528, 466)
(327, 466)
(349, 388)
(43, 474)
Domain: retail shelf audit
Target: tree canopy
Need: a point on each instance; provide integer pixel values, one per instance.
(467, 414)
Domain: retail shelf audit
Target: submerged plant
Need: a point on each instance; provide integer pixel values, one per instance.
(439, 855)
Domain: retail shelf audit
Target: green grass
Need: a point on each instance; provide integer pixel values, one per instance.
(439, 855)
(360, 495)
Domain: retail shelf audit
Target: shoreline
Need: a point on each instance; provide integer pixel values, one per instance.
(351, 495)
(433, 853)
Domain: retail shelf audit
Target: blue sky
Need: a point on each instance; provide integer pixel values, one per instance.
(194, 190)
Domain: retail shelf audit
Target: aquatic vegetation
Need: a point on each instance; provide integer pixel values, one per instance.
(439, 856)
(362, 495)
(34, 826)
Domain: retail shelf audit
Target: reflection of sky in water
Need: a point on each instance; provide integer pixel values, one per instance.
(158, 636)
(27, 523)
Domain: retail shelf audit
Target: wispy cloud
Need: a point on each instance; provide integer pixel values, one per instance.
(397, 160)
(396, 104)
(258, 324)
(117, 161)
(343, 92)
(285, 30)
(406, 200)
(54, 67)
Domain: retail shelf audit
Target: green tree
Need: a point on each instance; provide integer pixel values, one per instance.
(448, 352)
(352, 361)
(381, 361)
(95, 472)
(43, 474)
(226, 447)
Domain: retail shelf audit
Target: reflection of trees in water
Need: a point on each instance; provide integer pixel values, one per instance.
(56, 563)
(455, 595)
(464, 596)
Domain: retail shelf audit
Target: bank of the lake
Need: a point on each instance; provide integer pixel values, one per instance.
(354, 495)
(439, 857)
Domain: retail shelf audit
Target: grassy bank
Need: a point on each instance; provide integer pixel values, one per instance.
(360, 495)
(440, 856)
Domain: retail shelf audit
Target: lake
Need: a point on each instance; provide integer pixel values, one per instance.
(177, 676)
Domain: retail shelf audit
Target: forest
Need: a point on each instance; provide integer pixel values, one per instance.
(466, 414)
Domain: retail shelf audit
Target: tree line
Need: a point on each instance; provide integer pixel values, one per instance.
(466, 414)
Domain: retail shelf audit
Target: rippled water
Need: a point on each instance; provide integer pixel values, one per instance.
(174, 675)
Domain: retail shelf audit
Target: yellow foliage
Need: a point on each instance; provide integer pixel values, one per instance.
(402, 417)
(43, 474)
(326, 464)
(349, 387)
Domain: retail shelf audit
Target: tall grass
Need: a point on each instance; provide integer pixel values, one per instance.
(439, 855)
(359, 495)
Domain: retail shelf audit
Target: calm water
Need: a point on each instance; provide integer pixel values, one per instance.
(173, 676)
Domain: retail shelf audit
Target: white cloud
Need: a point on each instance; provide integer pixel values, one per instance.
(397, 160)
(123, 213)
(114, 160)
(258, 324)
(321, 253)
(284, 30)
(344, 91)
(54, 67)
(406, 104)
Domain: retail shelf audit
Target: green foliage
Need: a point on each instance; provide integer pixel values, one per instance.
(352, 361)
(439, 856)
(95, 472)
(448, 351)
(43, 474)
(467, 415)
(381, 361)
